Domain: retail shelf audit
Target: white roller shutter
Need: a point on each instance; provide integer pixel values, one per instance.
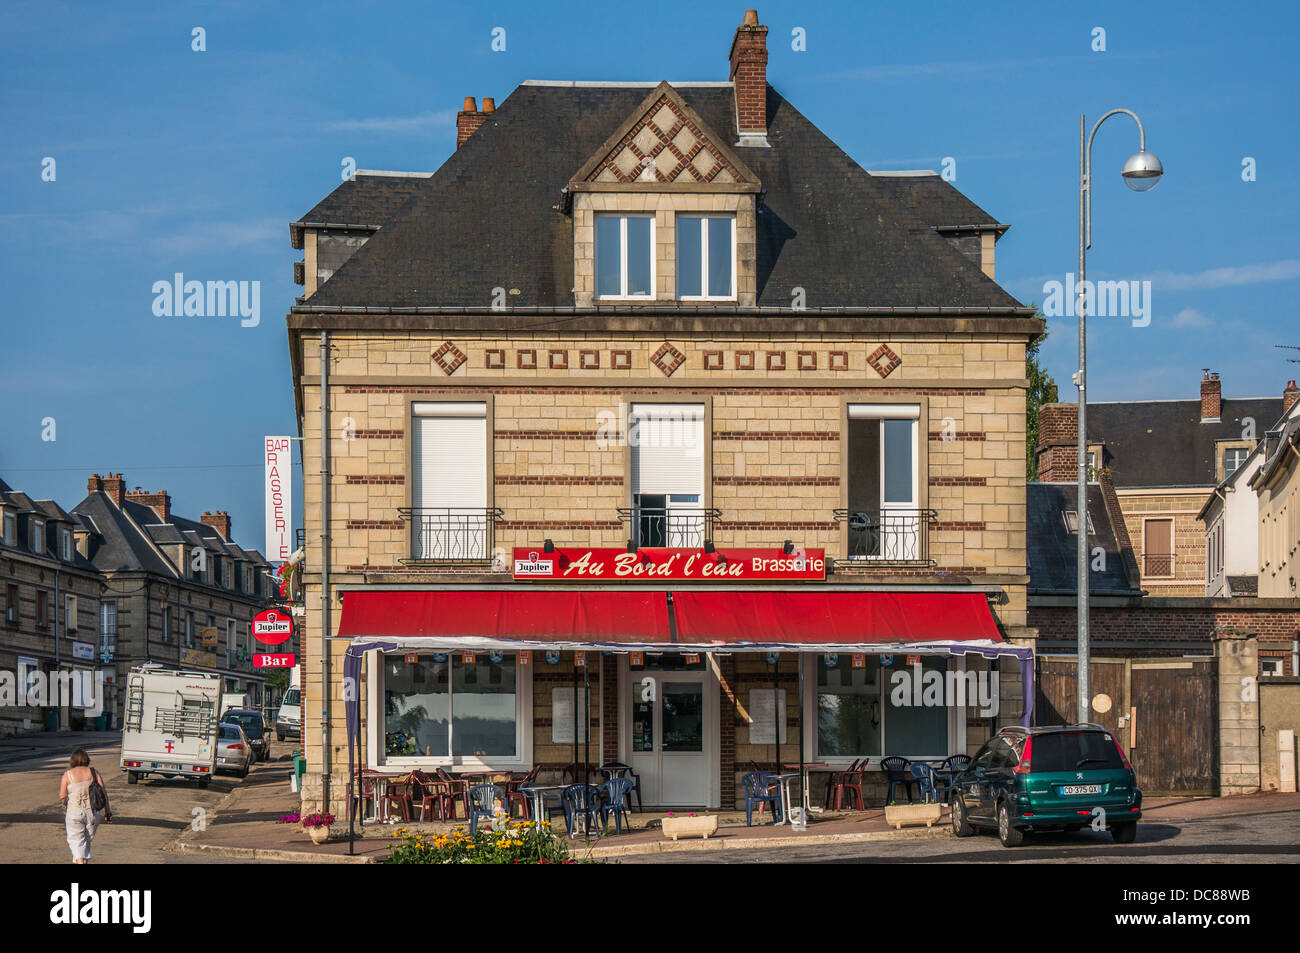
(450, 456)
(667, 448)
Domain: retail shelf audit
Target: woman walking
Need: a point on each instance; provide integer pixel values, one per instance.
(86, 803)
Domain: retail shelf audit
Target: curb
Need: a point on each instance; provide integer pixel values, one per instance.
(265, 854)
(810, 840)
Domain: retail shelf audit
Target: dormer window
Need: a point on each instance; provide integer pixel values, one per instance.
(706, 257)
(625, 256)
(37, 541)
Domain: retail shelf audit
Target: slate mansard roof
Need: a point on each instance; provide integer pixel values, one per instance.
(1052, 550)
(1163, 443)
(494, 216)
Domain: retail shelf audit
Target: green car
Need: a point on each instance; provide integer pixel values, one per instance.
(1052, 778)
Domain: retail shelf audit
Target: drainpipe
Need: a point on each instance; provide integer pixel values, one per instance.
(1295, 657)
(58, 708)
(325, 569)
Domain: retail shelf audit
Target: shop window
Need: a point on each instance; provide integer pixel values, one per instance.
(437, 706)
(883, 515)
(865, 711)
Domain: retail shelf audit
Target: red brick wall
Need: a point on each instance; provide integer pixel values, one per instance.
(749, 73)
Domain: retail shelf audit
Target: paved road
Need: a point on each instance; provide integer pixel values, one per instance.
(1260, 838)
(146, 816)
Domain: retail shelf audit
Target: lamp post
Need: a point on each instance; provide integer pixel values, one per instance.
(1141, 172)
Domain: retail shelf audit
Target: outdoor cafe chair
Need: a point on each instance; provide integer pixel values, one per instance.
(761, 788)
(896, 773)
(432, 797)
(361, 789)
(613, 795)
(483, 802)
(572, 773)
(849, 781)
(581, 800)
(956, 762)
(925, 777)
(627, 772)
(459, 787)
(514, 792)
(398, 791)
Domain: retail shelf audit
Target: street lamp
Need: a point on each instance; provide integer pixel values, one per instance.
(1141, 173)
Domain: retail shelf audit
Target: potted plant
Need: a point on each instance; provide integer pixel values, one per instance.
(700, 824)
(318, 826)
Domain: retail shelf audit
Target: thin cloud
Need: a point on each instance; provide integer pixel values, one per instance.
(213, 236)
(399, 124)
(1189, 318)
(1229, 277)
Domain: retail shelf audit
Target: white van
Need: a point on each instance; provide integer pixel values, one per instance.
(170, 727)
(288, 720)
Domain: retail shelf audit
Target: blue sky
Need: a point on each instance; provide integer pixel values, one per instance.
(173, 160)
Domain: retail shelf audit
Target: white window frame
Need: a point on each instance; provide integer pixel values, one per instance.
(420, 494)
(36, 532)
(881, 413)
(622, 258)
(69, 612)
(523, 757)
(108, 633)
(65, 545)
(704, 256)
(11, 529)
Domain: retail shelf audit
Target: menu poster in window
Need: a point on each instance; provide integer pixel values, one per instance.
(761, 720)
(562, 717)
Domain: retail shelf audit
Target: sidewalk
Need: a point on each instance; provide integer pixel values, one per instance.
(245, 826)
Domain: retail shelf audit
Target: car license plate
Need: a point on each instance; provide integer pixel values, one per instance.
(168, 767)
(1081, 789)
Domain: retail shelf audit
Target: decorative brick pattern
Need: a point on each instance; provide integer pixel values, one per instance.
(713, 360)
(526, 359)
(354, 480)
(449, 357)
(956, 436)
(668, 359)
(494, 358)
(558, 360)
(665, 146)
(839, 360)
(379, 435)
(620, 360)
(776, 481)
(744, 360)
(776, 360)
(589, 360)
(375, 524)
(884, 361)
(807, 360)
(538, 480)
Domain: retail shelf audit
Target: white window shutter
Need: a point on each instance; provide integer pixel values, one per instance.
(668, 448)
(450, 450)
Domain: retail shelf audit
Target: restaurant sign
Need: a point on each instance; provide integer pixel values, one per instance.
(676, 565)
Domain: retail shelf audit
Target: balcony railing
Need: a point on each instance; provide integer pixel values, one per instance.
(889, 535)
(451, 534)
(1158, 565)
(672, 527)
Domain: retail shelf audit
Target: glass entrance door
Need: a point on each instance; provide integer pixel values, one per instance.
(669, 735)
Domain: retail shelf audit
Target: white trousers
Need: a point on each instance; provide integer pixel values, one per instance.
(81, 826)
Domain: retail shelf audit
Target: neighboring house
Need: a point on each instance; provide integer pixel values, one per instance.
(1231, 518)
(1277, 488)
(648, 327)
(180, 592)
(51, 611)
(1165, 457)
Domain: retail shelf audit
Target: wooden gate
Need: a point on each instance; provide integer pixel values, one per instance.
(1163, 711)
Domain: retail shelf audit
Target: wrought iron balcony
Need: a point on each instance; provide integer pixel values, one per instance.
(671, 527)
(889, 535)
(451, 534)
(1158, 565)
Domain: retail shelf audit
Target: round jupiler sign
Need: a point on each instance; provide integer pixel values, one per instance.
(272, 626)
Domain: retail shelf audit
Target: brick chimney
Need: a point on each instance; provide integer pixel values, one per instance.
(1211, 397)
(158, 500)
(1058, 443)
(220, 521)
(470, 118)
(113, 485)
(749, 74)
(1289, 396)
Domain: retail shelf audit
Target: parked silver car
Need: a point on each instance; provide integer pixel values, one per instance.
(234, 752)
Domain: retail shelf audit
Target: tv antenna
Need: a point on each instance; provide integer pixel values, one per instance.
(1290, 347)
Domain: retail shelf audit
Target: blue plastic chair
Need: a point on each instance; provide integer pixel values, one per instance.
(581, 800)
(482, 803)
(954, 764)
(761, 788)
(926, 778)
(896, 773)
(618, 768)
(614, 795)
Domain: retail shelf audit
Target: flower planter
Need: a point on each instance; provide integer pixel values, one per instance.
(702, 825)
(896, 815)
(319, 835)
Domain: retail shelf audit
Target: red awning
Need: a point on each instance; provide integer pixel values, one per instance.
(833, 617)
(639, 617)
(546, 616)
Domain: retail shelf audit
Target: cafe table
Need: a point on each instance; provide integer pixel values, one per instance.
(784, 781)
(808, 767)
(538, 793)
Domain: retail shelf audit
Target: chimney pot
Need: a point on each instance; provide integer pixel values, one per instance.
(469, 119)
(751, 18)
(1289, 396)
(489, 104)
(470, 106)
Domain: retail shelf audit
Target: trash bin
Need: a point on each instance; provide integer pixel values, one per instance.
(101, 721)
(299, 769)
(51, 719)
